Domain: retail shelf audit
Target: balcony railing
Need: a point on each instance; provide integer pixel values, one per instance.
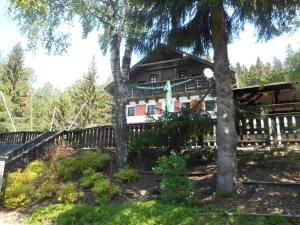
(195, 83)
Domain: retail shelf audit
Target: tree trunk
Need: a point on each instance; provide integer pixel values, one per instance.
(119, 101)
(226, 132)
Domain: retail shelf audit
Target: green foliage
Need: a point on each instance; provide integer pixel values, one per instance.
(15, 85)
(293, 65)
(101, 191)
(222, 195)
(261, 73)
(175, 186)
(42, 99)
(126, 174)
(80, 162)
(21, 185)
(149, 212)
(190, 125)
(67, 193)
(67, 167)
(90, 178)
(97, 108)
(47, 189)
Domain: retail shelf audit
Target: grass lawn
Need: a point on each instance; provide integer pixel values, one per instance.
(148, 212)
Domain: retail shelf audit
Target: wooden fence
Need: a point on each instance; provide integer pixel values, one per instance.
(279, 129)
(18, 137)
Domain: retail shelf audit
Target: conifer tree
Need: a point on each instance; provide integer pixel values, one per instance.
(15, 86)
(97, 109)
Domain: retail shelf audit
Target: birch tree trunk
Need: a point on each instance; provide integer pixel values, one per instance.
(119, 101)
(226, 132)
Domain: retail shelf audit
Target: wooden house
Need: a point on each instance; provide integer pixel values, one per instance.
(147, 78)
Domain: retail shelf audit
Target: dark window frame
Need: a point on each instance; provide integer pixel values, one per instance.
(185, 105)
(182, 74)
(151, 110)
(153, 78)
(131, 111)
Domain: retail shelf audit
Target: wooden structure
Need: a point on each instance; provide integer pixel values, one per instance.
(160, 66)
(275, 128)
(17, 137)
(276, 98)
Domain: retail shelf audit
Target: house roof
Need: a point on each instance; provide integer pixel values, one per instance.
(164, 55)
(267, 87)
(168, 55)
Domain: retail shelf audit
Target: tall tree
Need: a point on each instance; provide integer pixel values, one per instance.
(64, 111)
(86, 94)
(43, 21)
(262, 73)
(16, 86)
(97, 102)
(292, 64)
(200, 25)
(42, 100)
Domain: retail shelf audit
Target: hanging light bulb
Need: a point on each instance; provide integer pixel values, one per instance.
(208, 73)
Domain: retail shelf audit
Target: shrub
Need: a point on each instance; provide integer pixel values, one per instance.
(67, 167)
(175, 186)
(79, 163)
(126, 174)
(46, 189)
(19, 190)
(67, 193)
(92, 160)
(90, 177)
(101, 191)
(21, 185)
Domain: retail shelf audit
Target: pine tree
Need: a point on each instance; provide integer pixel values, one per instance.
(15, 86)
(64, 111)
(97, 109)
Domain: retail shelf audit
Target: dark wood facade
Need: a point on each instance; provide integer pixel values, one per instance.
(276, 98)
(163, 65)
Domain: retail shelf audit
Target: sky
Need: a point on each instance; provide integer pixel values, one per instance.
(64, 70)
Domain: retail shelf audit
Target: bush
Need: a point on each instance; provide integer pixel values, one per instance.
(175, 186)
(21, 185)
(67, 167)
(90, 177)
(79, 163)
(19, 190)
(101, 191)
(47, 189)
(126, 174)
(92, 160)
(67, 193)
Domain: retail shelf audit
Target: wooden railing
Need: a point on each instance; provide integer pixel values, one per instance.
(196, 83)
(18, 137)
(273, 129)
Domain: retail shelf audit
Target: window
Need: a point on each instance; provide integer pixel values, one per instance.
(151, 109)
(183, 74)
(185, 105)
(141, 82)
(153, 78)
(131, 111)
(210, 105)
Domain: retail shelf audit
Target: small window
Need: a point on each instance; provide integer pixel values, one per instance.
(141, 82)
(210, 105)
(131, 111)
(185, 105)
(151, 109)
(153, 78)
(183, 74)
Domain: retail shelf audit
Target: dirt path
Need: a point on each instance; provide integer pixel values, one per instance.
(12, 217)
